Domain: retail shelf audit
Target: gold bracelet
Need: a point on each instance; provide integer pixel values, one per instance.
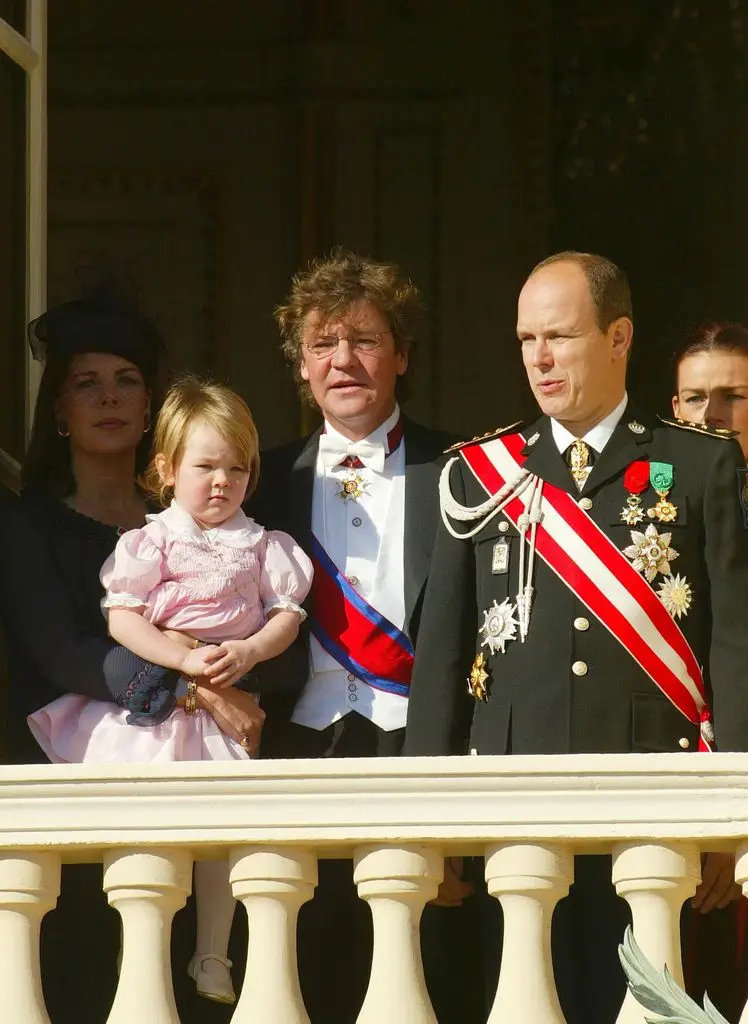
(190, 701)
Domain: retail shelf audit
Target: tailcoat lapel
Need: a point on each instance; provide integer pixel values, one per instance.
(421, 495)
(301, 492)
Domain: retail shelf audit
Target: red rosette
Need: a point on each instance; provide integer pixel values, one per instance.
(636, 477)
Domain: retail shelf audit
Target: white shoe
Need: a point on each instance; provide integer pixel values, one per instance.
(212, 977)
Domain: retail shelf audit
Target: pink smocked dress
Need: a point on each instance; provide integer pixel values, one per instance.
(215, 585)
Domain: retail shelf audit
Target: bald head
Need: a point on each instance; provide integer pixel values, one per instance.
(576, 368)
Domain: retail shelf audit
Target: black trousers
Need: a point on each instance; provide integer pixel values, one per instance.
(335, 937)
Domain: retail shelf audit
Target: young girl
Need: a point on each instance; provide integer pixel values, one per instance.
(205, 570)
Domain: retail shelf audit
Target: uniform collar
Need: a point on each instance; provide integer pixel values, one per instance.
(598, 436)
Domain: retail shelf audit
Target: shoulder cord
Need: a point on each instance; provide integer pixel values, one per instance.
(528, 519)
(486, 511)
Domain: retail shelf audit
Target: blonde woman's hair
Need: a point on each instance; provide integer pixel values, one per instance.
(191, 401)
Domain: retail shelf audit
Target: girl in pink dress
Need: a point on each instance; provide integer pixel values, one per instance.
(202, 569)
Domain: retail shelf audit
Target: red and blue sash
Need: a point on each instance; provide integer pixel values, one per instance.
(354, 633)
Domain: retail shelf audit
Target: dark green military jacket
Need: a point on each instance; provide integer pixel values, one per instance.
(571, 687)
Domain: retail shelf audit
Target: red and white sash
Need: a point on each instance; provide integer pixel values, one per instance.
(603, 578)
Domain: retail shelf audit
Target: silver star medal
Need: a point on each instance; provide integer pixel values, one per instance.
(499, 625)
(676, 594)
(651, 552)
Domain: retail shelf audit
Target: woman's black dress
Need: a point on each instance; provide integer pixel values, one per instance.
(56, 642)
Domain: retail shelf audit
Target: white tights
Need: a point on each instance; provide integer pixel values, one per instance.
(215, 906)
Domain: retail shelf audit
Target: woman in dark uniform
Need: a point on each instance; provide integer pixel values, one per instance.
(711, 386)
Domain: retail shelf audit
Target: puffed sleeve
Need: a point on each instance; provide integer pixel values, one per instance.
(133, 570)
(286, 574)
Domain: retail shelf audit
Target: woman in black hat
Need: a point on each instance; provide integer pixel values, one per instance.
(103, 362)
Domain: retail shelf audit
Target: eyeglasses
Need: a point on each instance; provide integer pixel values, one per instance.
(324, 347)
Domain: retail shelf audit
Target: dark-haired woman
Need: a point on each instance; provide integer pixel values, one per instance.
(711, 378)
(711, 386)
(102, 366)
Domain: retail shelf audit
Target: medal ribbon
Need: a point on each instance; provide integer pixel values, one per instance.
(354, 633)
(601, 576)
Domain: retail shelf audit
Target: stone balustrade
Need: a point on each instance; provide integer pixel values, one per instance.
(397, 818)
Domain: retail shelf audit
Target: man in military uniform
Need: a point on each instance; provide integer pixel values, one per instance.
(577, 644)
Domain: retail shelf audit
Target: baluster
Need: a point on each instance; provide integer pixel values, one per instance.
(397, 882)
(655, 880)
(741, 877)
(272, 883)
(29, 887)
(528, 881)
(147, 887)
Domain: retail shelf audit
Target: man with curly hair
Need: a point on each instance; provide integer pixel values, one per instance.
(360, 495)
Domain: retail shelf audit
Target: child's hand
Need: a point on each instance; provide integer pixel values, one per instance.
(198, 662)
(234, 659)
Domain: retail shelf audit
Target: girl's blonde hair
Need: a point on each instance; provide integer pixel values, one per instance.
(192, 400)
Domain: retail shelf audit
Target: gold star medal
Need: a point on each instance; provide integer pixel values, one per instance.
(499, 625)
(352, 486)
(651, 552)
(661, 477)
(676, 594)
(478, 678)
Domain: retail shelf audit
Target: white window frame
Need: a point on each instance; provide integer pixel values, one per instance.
(29, 52)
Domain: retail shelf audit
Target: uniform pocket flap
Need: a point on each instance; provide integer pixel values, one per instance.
(658, 727)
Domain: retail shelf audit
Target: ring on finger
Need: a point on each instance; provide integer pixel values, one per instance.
(246, 742)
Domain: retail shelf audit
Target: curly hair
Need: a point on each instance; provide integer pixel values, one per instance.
(330, 284)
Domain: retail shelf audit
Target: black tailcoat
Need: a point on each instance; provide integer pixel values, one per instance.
(537, 704)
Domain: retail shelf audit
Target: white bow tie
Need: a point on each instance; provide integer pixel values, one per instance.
(335, 449)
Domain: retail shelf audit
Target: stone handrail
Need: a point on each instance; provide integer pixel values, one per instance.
(397, 818)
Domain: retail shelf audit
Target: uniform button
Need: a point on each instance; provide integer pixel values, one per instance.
(353, 580)
(352, 687)
(503, 526)
(684, 742)
(351, 677)
(579, 668)
(581, 624)
(585, 503)
(353, 697)
(356, 521)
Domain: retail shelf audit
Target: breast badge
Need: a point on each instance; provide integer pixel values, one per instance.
(478, 678)
(352, 486)
(499, 625)
(650, 552)
(661, 478)
(636, 481)
(500, 557)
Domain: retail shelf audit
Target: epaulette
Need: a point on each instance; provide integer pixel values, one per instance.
(700, 428)
(484, 437)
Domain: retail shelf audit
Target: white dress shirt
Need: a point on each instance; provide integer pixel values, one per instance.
(364, 538)
(596, 438)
